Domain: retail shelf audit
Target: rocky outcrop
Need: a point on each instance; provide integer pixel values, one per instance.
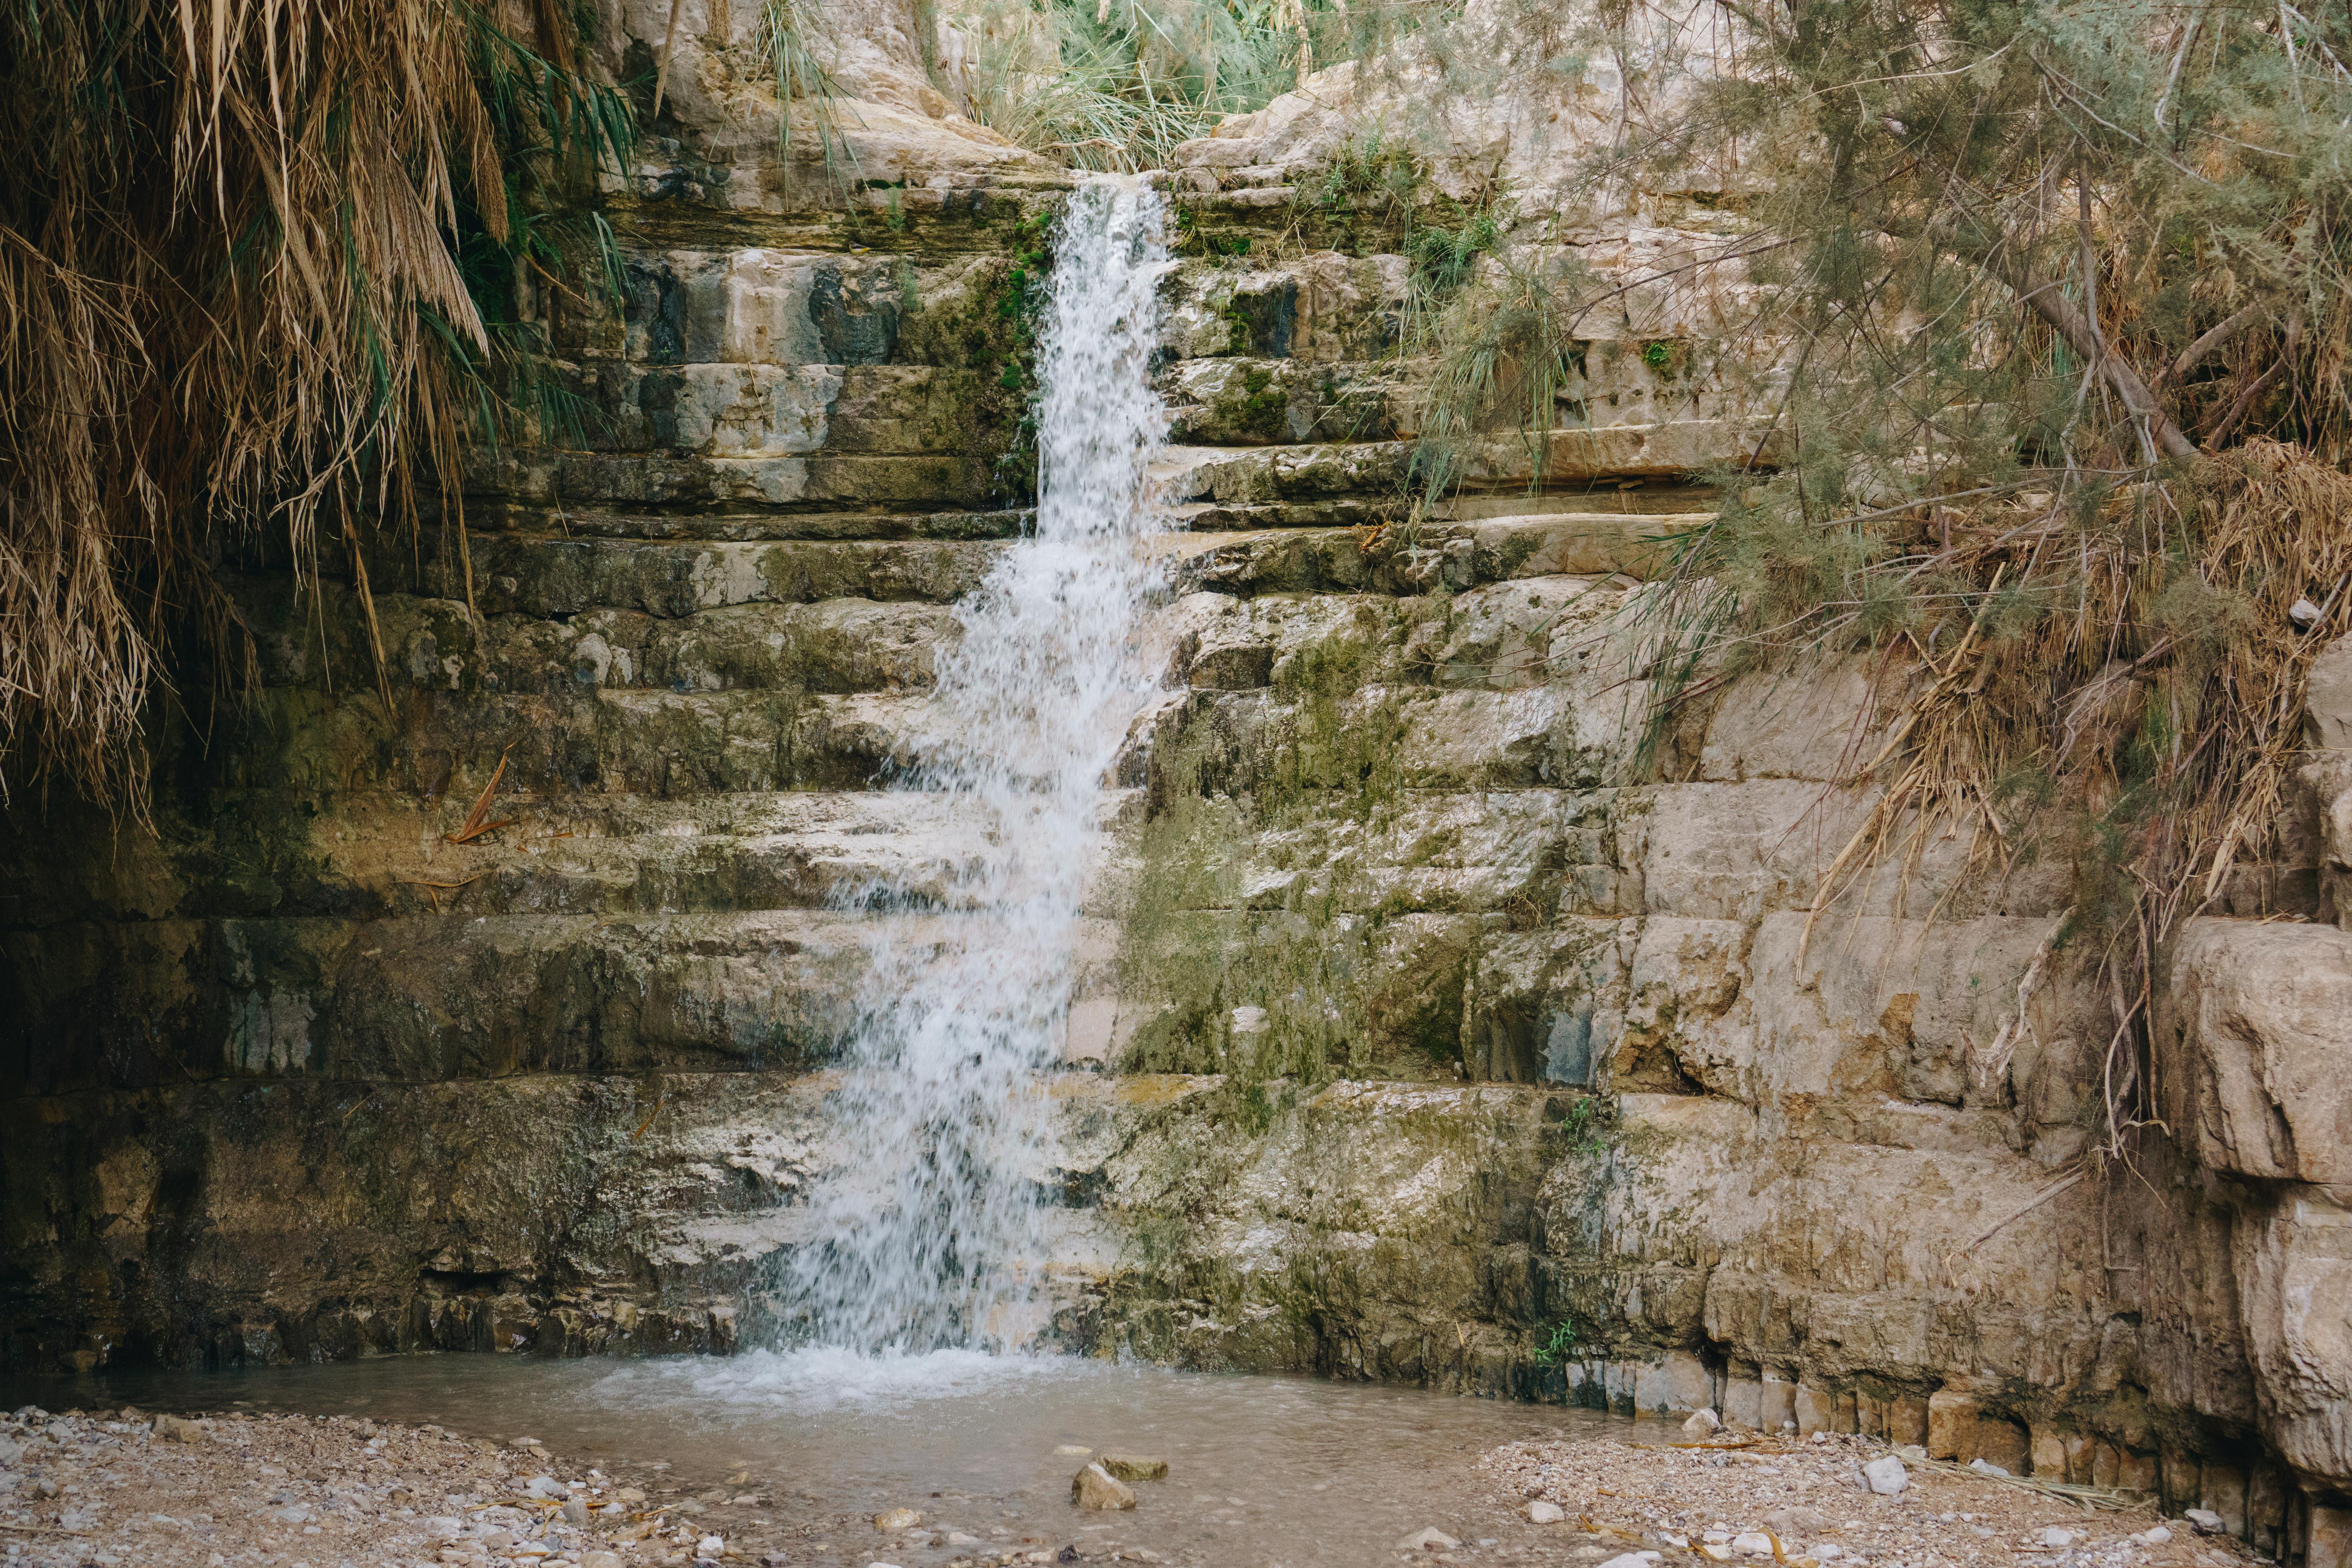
(1443, 1022)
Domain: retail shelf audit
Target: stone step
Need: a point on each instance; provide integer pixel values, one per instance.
(1666, 452)
(272, 853)
(1457, 555)
(1611, 499)
(838, 645)
(555, 576)
(550, 574)
(428, 997)
(587, 740)
(492, 515)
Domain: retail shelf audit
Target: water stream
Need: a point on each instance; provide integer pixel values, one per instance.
(929, 1236)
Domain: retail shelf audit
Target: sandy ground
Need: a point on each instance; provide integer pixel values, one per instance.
(286, 1491)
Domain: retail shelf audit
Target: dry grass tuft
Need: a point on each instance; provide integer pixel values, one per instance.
(2114, 679)
(231, 301)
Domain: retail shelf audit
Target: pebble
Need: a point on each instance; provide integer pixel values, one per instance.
(1431, 1539)
(1630, 1560)
(1752, 1542)
(1135, 1467)
(2157, 1536)
(896, 1519)
(2056, 1537)
(1095, 1487)
(1887, 1475)
(1546, 1514)
(2204, 1520)
(1702, 1424)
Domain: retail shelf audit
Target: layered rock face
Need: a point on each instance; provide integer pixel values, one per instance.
(1443, 1022)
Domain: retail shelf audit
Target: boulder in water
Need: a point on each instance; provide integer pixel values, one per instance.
(1135, 1467)
(1097, 1488)
(897, 1519)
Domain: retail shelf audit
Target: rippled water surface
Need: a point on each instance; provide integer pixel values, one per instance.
(1263, 1470)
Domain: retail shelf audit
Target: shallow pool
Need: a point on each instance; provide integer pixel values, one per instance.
(1263, 1470)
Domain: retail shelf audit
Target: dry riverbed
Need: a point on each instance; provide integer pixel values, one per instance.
(121, 1488)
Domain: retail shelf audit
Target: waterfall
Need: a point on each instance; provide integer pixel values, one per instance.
(927, 1233)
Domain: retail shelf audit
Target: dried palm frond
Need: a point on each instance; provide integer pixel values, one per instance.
(242, 283)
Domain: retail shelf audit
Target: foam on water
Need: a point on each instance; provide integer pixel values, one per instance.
(819, 1378)
(929, 1234)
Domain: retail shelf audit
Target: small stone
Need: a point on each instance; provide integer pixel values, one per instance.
(958, 1538)
(1702, 1424)
(1987, 1467)
(1797, 1520)
(1887, 1475)
(2155, 1536)
(545, 1487)
(1546, 1514)
(1714, 1552)
(897, 1519)
(711, 1547)
(1752, 1543)
(1430, 1540)
(575, 1511)
(2055, 1538)
(600, 1560)
(172, 1430)
(631, 1494)
(2204, 1520)
(1912, 1454)
(1135, 1467)
(1095, 1487)
(1630, 1560)
(1829, 1550)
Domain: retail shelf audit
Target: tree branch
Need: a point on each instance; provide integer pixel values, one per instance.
(2042, 296)
(2195, 354)
(2256, 387)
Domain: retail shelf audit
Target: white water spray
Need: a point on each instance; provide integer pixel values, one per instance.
(930, 1235)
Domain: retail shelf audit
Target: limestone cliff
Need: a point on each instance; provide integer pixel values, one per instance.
(1434, 1030)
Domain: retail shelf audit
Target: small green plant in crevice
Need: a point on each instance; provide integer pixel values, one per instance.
(1589, 1128)
(785, 38)
(1566, 1342)
(984, 324)
(1510, 367)
(1373, 176)
(1191, 239)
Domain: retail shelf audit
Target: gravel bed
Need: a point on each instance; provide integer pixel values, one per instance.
(121, 1488)
(1770, 1501)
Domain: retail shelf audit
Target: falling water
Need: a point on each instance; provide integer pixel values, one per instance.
(929, 1234)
